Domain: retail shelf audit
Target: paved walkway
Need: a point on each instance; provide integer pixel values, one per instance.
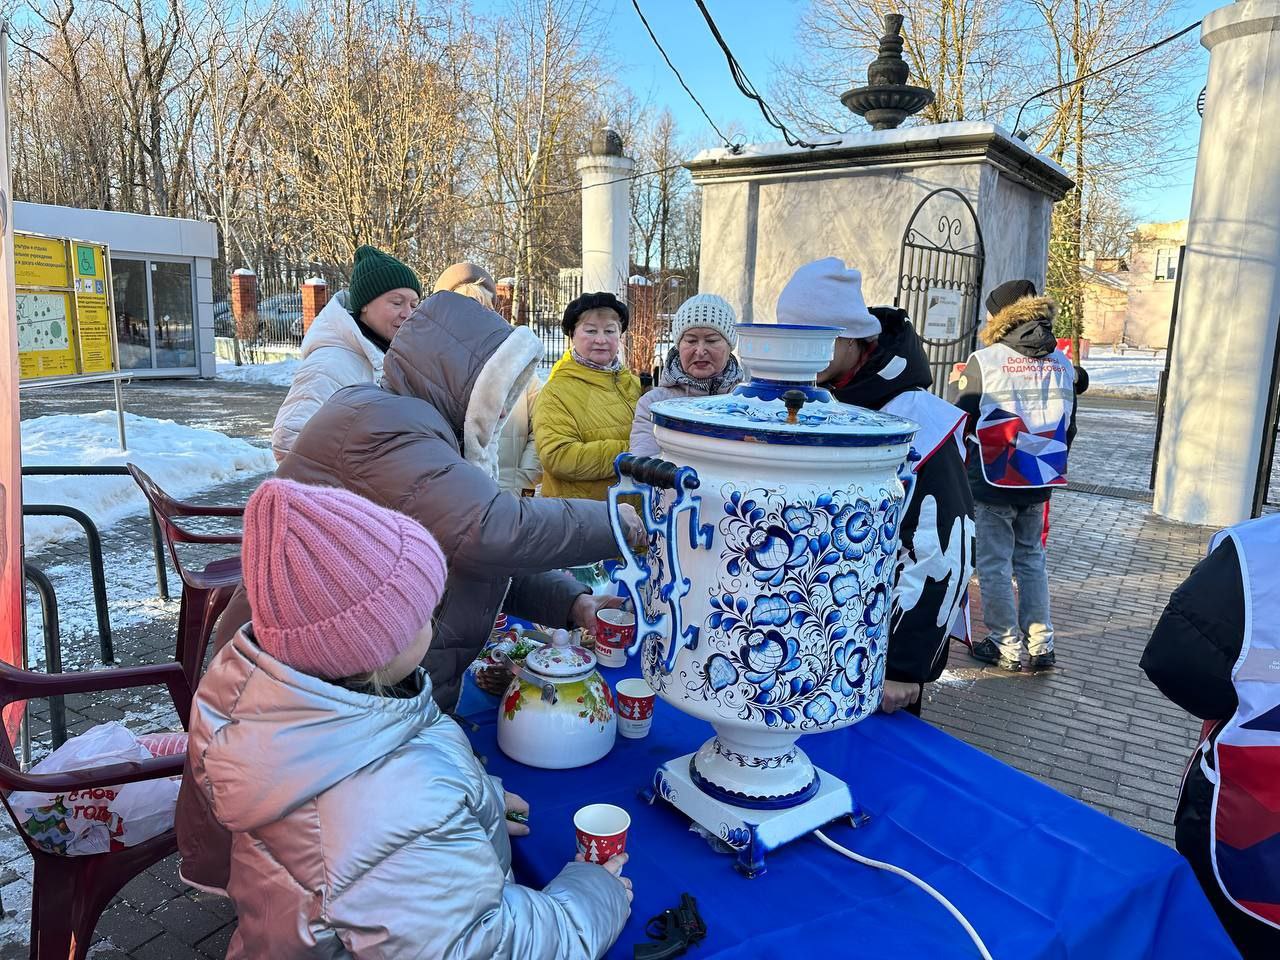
(1094, 728)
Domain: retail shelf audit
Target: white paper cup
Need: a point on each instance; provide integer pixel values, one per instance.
(615, 631)
(600, 830)
(636, 701)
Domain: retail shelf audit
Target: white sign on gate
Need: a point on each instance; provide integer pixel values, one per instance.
(942, 314)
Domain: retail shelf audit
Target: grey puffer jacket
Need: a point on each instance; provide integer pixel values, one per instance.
(364, 827)
(426, 444)
(643, 442)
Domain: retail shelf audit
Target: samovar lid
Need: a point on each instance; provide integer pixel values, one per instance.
(781, 403)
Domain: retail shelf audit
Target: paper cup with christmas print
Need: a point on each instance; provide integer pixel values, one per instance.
(615, 631)
(635, 708)
(601, 830)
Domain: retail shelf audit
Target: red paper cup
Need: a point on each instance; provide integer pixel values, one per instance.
(635, 708)
(601, 830)
(500, 624)
(615, 632)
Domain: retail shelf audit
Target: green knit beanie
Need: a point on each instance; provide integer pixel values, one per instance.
(374, 274)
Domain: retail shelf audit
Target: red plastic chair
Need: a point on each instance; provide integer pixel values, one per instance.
(69, 893)
(206, 592)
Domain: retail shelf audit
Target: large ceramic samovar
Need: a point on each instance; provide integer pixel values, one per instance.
(763, 603)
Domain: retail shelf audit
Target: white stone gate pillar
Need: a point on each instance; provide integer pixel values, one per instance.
(606, 215)
(1228, 318)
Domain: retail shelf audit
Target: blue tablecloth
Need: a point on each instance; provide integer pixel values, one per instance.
(1038, 874)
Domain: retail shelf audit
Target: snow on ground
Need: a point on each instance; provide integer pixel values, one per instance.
(277, 374)
(182, 460)
(1131, 375)
(132, 598)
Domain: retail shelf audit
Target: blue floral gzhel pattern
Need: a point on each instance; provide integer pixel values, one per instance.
(766, 762)
(798, 627)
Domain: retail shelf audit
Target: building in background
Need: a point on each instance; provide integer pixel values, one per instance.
(1130, 302)
(161, 278)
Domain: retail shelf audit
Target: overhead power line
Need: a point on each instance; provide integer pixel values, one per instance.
(749, 90)
(1101, 70)
(734, 148)
(566, 190)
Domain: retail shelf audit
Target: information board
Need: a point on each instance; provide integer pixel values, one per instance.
(64, 308)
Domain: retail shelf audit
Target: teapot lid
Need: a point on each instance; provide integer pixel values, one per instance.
(560, 659)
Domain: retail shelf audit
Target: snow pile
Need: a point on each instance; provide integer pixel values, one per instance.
(1130, 375)
(182, 460)
(277, 374)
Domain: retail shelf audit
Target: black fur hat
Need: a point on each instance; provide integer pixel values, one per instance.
(594, 301)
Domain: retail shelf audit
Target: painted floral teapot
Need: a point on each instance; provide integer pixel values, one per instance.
(763, 603)
(558, 711)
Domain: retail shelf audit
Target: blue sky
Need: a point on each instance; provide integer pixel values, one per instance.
(762, 32)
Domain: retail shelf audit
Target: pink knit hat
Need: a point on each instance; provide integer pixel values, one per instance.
(338, 585)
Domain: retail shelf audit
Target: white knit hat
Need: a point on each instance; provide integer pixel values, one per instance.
(706, 310)
(827, 293)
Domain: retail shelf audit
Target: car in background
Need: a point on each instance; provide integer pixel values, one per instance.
(280, 317)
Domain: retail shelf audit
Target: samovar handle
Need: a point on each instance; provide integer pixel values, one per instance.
(644, 476)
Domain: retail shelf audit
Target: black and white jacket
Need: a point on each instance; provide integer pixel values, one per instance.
(937, 529)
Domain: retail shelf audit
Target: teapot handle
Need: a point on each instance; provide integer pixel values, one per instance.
(643, 476)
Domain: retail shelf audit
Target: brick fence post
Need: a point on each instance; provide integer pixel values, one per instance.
(244, 303)
(315, 294)
(502, 302)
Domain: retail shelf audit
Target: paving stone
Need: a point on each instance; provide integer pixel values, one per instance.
(186, 920)
(215, 945)
(126, 928)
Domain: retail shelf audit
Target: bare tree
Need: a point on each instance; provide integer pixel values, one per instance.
(1109, 130)
(538, 85)
(960, 49)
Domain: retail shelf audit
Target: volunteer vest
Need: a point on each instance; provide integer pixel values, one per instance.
(1245, 823)
(1023, 417)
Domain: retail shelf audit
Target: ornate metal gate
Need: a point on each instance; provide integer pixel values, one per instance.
(940, 279)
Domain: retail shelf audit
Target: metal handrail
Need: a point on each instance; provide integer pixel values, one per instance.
(52, 648)
(112, 470)
(95, 566)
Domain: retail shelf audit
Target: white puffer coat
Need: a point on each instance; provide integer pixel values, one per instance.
(335, 354)
(518, 466)
(364, 827)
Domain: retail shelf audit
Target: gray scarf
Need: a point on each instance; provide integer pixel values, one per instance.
(613, 367)
(674, 375)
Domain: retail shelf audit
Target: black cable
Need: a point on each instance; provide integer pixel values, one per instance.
(748, 89)
(562, 192)
(640, 13)
(1101, 70)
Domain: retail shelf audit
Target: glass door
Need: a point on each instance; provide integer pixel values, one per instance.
(133, 312)
(174, 319)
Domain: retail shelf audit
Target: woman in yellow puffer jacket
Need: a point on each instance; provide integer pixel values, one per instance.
(582, 419)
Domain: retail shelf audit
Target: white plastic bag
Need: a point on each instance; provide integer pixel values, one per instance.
(82, 822)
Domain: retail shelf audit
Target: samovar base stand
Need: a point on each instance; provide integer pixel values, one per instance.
(752, 832)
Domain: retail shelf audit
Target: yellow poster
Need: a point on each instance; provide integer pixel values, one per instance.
(44, 335)
(64, 307)
(39, 261)
(93, 315)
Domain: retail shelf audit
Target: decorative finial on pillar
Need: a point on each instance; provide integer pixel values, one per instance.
(606, 143)
(887, 99)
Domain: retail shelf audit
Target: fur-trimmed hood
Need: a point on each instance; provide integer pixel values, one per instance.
(1025, 325)
(469, 363)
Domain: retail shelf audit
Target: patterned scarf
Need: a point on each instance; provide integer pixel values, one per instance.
(673, 375)
(612, 367)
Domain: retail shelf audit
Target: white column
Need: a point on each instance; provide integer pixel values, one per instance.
(1229, 315)
(606, 222)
